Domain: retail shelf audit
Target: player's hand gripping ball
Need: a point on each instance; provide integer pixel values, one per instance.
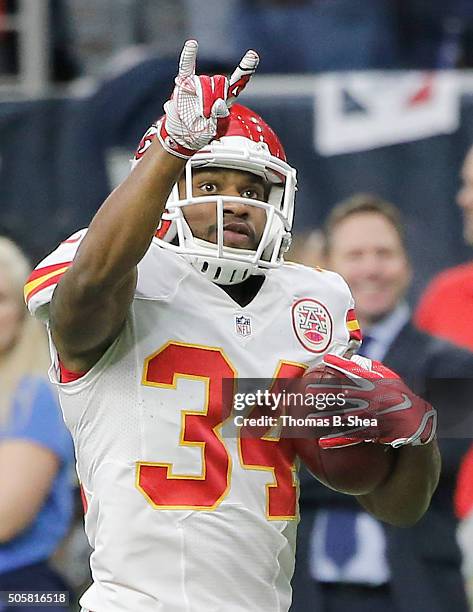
(378, 413)
(356, 468)
(197, 112)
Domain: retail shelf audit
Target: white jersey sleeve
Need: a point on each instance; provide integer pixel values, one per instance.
(153, 282)
(43, 280)
(323, 311)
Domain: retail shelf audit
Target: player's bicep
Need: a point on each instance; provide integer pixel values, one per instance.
(84, 321)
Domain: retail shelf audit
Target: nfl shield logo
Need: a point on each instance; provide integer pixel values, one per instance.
(242, 325)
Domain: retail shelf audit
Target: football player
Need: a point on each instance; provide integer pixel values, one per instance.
(146, 325)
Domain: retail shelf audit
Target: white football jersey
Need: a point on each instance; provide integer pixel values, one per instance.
(184, 514)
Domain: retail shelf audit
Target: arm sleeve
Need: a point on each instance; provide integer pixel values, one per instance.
(43, 280)
(351, 323)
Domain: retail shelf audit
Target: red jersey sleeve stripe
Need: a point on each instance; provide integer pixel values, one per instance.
(351, 315)
(46, 270)
(356, 335)
(35, 287)
(353, 326)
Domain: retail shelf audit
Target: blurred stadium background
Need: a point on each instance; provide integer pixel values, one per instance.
(81, 80)
(371, 96)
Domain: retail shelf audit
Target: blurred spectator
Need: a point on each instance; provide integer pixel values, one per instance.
(319, 35)
(346, 559)
(291, 36)
(35, 447)
(307, 247)
(446, 306)
(122, 32)
(126, 31)
(445, 310)
(435, 34)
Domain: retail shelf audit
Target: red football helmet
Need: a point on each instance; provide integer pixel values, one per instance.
(249, 144)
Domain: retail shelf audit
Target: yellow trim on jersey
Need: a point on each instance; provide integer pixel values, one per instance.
(182, 442)
(31, 286)
(353, 325)
(269, 437)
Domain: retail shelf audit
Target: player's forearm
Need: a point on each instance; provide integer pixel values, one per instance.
(122, 230)
(403, 499)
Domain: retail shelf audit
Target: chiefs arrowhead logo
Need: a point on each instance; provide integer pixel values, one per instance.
(312, 324)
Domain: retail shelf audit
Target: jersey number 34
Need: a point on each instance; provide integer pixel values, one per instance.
(167, 490)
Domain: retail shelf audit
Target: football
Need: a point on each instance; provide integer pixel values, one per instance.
(355, 470)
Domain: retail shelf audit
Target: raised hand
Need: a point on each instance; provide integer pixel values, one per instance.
(198, 110)
(241, 75)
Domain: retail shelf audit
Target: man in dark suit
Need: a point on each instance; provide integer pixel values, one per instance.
(346, 559)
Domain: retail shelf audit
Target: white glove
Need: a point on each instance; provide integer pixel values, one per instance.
(197, 112)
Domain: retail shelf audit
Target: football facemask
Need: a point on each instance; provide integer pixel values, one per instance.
(249, 145)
